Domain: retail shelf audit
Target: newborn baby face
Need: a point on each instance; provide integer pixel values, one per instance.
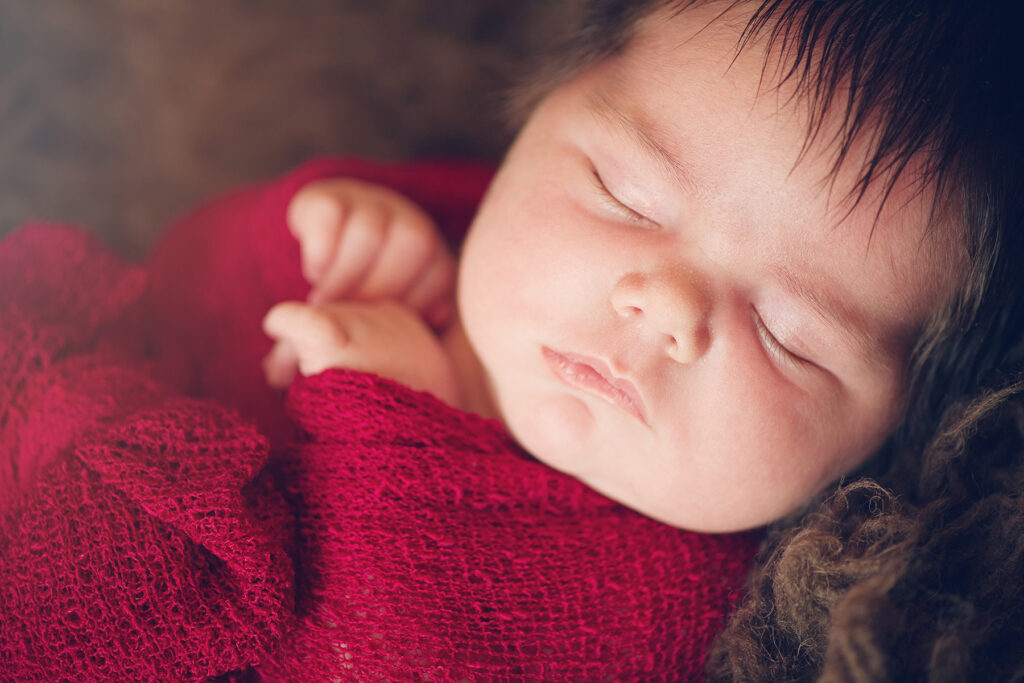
(672, 305)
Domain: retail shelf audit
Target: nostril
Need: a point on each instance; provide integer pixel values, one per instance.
(685, 348)
(672, 347)
(629, 311)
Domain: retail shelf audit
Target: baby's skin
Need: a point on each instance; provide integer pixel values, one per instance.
(382, 291)
(665, 292)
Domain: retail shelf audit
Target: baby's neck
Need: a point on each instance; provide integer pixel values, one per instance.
(472, 378)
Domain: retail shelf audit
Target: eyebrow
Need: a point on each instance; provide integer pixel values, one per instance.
(605, 109)
(847, 322)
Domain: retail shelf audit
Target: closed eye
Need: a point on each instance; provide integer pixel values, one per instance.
(776, 349)
(614, 204)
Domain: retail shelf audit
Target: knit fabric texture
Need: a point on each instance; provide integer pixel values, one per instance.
(439, 551)
(166, 516)
(136, 541)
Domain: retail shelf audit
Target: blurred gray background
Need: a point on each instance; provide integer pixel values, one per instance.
(118, 115)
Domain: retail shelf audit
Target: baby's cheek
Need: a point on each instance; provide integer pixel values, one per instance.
(555, 429)
(751, 454)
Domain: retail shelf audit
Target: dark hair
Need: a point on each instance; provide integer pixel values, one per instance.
(942, 81)
(910, 583)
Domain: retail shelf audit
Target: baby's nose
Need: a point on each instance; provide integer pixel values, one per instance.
(674, 304)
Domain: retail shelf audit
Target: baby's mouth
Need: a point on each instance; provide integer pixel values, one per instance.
(592, 376)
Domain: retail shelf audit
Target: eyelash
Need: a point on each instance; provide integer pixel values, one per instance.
(775, 347)
(626, 212)
(768, 340)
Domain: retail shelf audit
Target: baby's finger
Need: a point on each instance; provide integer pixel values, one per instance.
(306, 327)
(280, 365)
(356, 252)
(279, 321)
(412, 243)
(315, 333)
(435, 286)
(315, 217)
(440, 314)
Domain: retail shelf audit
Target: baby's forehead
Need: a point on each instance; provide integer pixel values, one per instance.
(724, 37)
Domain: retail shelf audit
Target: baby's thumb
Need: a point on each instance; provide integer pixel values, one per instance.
(284, 320)
(312, 335)
(280, 365)
(283, 323)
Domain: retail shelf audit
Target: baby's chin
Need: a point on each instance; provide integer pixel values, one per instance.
(684, 507)
(578, 438)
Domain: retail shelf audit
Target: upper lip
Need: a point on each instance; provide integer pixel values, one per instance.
(617, 390)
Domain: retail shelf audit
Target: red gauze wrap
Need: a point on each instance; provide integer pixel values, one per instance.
(146, 533)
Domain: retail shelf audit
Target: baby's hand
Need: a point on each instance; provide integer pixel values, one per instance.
(385, 338)
(366, 242)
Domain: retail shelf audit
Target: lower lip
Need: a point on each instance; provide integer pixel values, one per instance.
(580, 375)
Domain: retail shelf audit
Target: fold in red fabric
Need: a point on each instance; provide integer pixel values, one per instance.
(137, 541)
(165, 516)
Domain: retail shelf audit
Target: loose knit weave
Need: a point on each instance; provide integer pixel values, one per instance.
(134, 542)
(149, 530)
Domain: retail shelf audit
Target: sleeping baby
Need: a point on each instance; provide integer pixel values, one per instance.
(729, 259)
(672, 291)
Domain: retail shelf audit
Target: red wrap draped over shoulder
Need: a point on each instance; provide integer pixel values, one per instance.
(166, 516)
